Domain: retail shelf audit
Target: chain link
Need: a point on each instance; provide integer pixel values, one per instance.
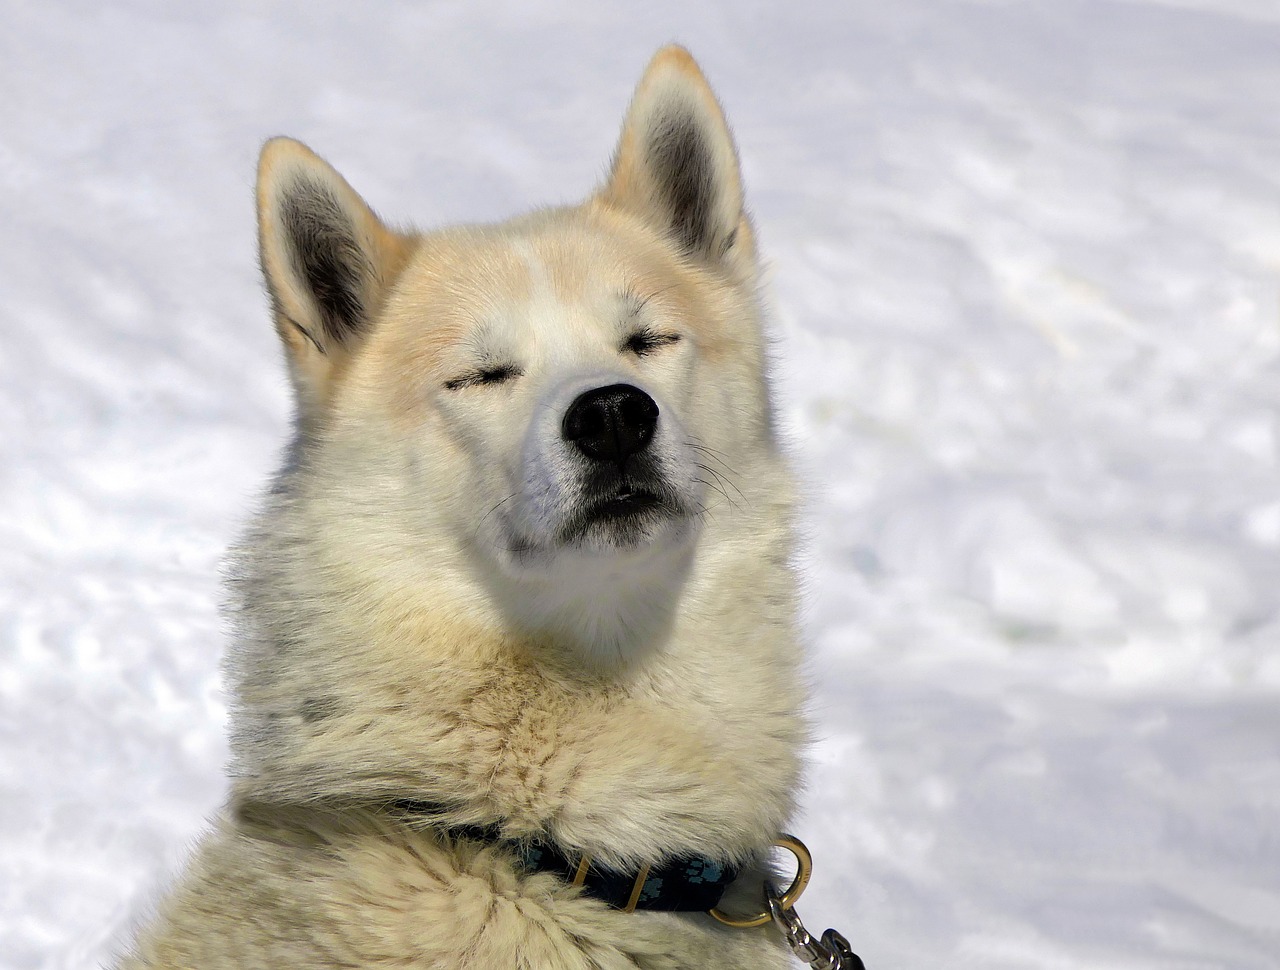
(832, 952)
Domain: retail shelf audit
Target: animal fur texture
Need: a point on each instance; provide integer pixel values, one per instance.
(528, 560)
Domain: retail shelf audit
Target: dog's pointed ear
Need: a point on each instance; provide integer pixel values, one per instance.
(327, 259)
(676, 166)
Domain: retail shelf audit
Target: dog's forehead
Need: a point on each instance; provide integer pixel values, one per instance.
(470, 287)
(572, 286)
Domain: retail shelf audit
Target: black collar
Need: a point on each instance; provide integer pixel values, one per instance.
(680, 884)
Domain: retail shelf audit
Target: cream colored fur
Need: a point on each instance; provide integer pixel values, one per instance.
(412, 626)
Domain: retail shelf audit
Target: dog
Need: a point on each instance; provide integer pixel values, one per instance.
(517, 650)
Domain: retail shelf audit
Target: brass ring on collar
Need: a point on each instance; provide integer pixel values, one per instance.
(804, 869)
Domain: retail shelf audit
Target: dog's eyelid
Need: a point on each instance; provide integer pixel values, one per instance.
(646, 339)
(489, 374)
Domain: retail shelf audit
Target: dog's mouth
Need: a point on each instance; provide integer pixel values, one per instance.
(625, 515)
(627, 502)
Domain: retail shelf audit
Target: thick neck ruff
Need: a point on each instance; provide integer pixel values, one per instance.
(682, 884)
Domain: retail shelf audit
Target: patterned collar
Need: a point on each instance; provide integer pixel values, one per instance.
(681, 884)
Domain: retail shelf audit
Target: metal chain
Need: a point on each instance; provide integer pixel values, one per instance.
(832, 952)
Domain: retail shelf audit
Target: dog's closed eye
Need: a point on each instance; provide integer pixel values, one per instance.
(486, 375)
(646, 341)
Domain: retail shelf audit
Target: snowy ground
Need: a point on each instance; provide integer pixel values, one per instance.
(1026, 259)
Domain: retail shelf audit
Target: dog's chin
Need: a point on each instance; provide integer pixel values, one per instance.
(629, 519)
(626, 522)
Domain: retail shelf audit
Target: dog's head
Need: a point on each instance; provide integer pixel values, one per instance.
(560, 400)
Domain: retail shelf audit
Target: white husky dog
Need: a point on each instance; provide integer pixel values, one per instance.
(517, 675)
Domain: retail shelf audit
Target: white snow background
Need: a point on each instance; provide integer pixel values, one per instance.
(1025, 260)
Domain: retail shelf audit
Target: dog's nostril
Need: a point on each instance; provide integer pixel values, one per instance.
(611, 423)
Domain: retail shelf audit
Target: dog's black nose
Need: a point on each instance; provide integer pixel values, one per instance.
(611, 423)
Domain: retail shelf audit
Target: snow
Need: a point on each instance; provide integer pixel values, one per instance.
(1024, 262)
